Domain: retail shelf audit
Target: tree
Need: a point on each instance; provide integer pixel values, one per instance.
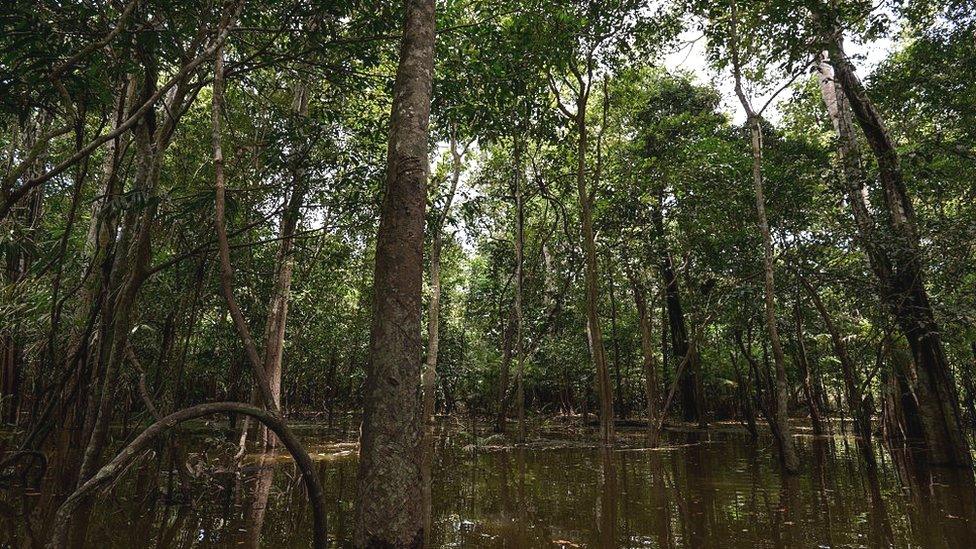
(389, 475)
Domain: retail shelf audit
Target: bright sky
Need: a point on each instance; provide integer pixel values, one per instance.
(690, 56)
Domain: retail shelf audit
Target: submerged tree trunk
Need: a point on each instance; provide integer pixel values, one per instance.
(904, 290)
(780, 424)
(391, 451)
(591, 276)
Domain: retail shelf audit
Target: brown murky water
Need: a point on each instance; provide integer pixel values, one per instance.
(706, 490)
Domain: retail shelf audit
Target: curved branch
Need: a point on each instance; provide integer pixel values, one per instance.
(110, 471)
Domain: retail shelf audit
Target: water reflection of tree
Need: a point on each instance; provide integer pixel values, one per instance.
(607, 507)
(941, 501)
(258, 504)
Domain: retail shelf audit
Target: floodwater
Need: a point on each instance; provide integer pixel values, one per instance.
(708, 489)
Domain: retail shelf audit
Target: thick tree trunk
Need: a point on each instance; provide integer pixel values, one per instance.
(905, 290)
(391, 450)
(780, 419)
(780, 423)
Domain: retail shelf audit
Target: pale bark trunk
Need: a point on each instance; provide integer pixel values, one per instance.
(791, 462)
(391, 451)
(591, 276)
(780, 423)
(429, 377)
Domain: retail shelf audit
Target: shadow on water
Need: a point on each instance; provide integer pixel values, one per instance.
(712, 489)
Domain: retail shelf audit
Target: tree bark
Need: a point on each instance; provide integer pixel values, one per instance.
(780, 413)
(905, 291)
(391, 450)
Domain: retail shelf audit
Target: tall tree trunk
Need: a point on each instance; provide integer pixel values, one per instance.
(519, 290)
(856, 403)
(788, 455)
(391, 450)
(591, 276)
(274, 333)
(429, 377)
(905, 290)
(780, 413)
(118, 313)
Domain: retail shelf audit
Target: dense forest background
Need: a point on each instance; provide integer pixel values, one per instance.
(191, 193)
